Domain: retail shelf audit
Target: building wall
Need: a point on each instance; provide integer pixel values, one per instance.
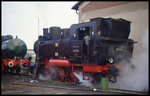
(136, 12)
(90, 6)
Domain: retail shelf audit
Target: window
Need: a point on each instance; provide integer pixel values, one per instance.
(82, 32)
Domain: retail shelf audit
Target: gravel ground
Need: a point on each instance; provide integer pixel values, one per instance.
(20, 84)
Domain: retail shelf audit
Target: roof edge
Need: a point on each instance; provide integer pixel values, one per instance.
(76, 6)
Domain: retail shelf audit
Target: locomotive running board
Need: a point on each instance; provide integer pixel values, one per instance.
(93, 68)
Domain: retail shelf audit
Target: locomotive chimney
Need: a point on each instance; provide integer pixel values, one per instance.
(45, 33)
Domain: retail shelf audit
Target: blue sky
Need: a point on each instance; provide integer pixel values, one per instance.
(21, 18)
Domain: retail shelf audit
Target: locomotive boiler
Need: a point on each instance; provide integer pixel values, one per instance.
(13, 52)
(92, 48)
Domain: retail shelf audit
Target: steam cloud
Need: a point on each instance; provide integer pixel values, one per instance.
(134, 76)
(81, 81)
(51, 74)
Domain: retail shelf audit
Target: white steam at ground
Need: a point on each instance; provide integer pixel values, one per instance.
(134, 76)
(81, 81)
(42, 77)
(50, 74)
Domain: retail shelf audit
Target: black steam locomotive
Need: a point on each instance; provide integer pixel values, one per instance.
(93, 48)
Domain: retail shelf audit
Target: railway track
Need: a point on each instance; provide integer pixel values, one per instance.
(14, 83)
(77, 87)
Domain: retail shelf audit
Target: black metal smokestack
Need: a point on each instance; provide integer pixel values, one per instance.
(45, 33)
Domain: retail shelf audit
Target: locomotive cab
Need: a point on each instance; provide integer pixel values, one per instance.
(83, 33)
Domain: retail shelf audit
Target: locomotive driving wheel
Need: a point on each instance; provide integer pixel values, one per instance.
(61, 75)
(73, 79)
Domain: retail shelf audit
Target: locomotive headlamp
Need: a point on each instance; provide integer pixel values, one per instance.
(111, 60)
(10, 64)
